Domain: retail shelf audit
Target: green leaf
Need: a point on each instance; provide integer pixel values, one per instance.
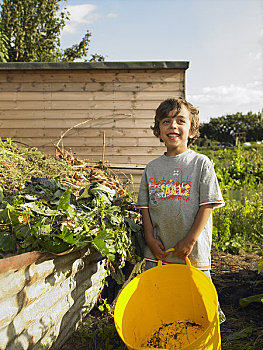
(100, 244)
(1, 195)
(54, 245)
(9, 215)
(244, 333)
(252, 299)
(21, 231)
(56, 197)
(260, 265)
(84, 194)
(43, 230)
(7, 241)
(64, 203)
(68, 236)
(40, 209)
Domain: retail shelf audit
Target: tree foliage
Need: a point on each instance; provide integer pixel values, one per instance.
(3, 46)
(30, 32)
(223, 129)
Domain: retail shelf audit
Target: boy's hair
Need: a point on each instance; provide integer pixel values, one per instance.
(176, 103)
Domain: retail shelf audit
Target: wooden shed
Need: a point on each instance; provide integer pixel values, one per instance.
(100, 111)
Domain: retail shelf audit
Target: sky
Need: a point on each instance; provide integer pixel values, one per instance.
(221, 39)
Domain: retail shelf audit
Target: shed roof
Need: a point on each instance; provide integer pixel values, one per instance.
(95, 65)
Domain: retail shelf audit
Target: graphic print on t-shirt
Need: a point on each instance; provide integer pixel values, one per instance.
(175, 188)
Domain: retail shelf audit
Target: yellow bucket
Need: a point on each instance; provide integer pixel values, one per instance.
(166, 294)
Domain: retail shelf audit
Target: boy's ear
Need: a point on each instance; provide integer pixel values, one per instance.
(193, 134)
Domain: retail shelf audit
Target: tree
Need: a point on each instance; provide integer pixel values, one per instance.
(3, 46)
(30, 32)
(223, 129)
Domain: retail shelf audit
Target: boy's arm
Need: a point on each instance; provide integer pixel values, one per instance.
(154, 244)
(184, 247)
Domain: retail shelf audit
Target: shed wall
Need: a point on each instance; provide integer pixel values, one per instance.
(104, 114)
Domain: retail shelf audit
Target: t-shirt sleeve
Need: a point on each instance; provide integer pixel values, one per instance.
(210, 192)
(143, 195)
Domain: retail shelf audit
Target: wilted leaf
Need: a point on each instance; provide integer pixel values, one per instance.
(7, 241)
(244, 333)
(55, 245)
(40, 209)
(21, 231)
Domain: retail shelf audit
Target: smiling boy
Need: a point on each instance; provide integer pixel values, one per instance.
(176, 207)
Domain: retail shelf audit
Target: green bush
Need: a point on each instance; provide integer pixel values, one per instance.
(239, 225)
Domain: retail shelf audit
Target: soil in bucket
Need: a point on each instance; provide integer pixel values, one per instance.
(175, 335)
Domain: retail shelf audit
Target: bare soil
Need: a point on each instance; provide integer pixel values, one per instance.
(235, 277)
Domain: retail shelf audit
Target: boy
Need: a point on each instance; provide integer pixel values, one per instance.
(178, 191)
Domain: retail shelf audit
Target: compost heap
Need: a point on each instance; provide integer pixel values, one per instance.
(175, 335)
(83, 206)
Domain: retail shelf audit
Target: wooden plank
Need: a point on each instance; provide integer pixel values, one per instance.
(134, 123)
(91, 87)
(93, 76)
(83, 132)
(79, 105)
(107, 96)
(87, 96)
(68, 123)
(81, 154)
(83, 141)
(149, 141)
(122, 151)
(76, 114)
(98, 141)
(93, 105)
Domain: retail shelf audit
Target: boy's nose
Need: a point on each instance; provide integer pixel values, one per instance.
(174, 124)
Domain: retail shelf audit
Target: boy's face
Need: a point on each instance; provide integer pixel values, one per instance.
(175, 131)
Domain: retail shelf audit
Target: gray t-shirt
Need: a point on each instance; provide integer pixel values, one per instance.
(173, 188)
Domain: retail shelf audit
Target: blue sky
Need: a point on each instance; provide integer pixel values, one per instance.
(222, 40)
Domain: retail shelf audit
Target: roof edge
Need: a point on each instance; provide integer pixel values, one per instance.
(95, 65)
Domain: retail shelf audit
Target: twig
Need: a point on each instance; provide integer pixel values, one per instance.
(86, 121)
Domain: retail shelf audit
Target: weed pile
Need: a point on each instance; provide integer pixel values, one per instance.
(55, 205)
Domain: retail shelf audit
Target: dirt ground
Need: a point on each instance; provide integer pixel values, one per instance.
(235, 277)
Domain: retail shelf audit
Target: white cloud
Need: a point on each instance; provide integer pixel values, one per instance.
(80, 14)
(224, 99)
(83, 14)
(239, 95)
(112, 15)
(255, 56)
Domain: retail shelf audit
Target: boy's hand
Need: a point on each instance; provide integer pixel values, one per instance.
(157, 248)
(183, 248)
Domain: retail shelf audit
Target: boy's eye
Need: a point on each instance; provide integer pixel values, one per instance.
(166, 121)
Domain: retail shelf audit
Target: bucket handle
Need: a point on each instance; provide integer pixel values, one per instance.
(188, 262)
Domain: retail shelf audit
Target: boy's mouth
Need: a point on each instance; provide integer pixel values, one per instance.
(173, 135)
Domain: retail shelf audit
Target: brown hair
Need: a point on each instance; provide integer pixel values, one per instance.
(176, 103)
